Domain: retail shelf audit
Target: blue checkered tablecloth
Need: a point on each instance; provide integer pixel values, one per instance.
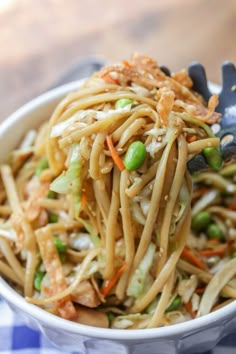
(16, 338)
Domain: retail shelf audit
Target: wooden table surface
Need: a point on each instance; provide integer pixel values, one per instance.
(39, 40)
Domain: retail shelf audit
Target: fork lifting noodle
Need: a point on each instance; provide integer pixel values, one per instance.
(96, 204)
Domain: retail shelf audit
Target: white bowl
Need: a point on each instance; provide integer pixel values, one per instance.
(190, 337)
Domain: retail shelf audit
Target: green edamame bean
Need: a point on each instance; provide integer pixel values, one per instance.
(62, 257)
(213, 157)
(41, 165)
(201, 220)
(38, 278)
(135, 155)
(122, 102)
(110, 317)
(60, 245)
(174, 305)
(214, 231)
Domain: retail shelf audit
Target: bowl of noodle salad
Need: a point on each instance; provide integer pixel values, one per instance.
(104, 235)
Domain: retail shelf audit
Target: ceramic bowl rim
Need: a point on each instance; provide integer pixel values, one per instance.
(11, 296)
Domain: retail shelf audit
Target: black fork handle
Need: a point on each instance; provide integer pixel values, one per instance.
(227, 107)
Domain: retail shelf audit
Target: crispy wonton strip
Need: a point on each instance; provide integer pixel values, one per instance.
(73, 286)
(54, 269)
(165, 106)
(33, 207)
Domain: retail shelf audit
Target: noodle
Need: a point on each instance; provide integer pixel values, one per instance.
(7, 272)
(11, 189)
(197, 146)
(173, 194)
(167, 269)
(11, 259)
(94, 168)
(156, 320)
(96, 215)
(128, 234)
(155, 200)
(215, 286)
(205, 277)
(111, 229)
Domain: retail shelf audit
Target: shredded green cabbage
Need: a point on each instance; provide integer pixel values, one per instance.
(183, 201)
(152, 306)
(70, 180)
(126, 321)
(137, 283)
(64, 183)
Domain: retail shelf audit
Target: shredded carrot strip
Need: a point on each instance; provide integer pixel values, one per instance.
(107, 77)
(191, 139)
(200, 290)
(188, 307)
(232, 206)
(215, 252)
(114, 155)
(213, 242)
(111, 283)
(126, 64)
(203, 190)
(230, 245)
(83, 200)
(192, 258)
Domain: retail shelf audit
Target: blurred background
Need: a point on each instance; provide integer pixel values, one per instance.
(41, 40)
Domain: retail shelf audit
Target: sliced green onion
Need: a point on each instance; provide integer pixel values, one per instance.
(38, 278)
(60, 245)
(110, 317)
(175, 304)
(52, 218)
(41, 166)
(62, 257)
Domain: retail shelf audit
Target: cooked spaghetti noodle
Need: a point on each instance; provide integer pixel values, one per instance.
(96, 204)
